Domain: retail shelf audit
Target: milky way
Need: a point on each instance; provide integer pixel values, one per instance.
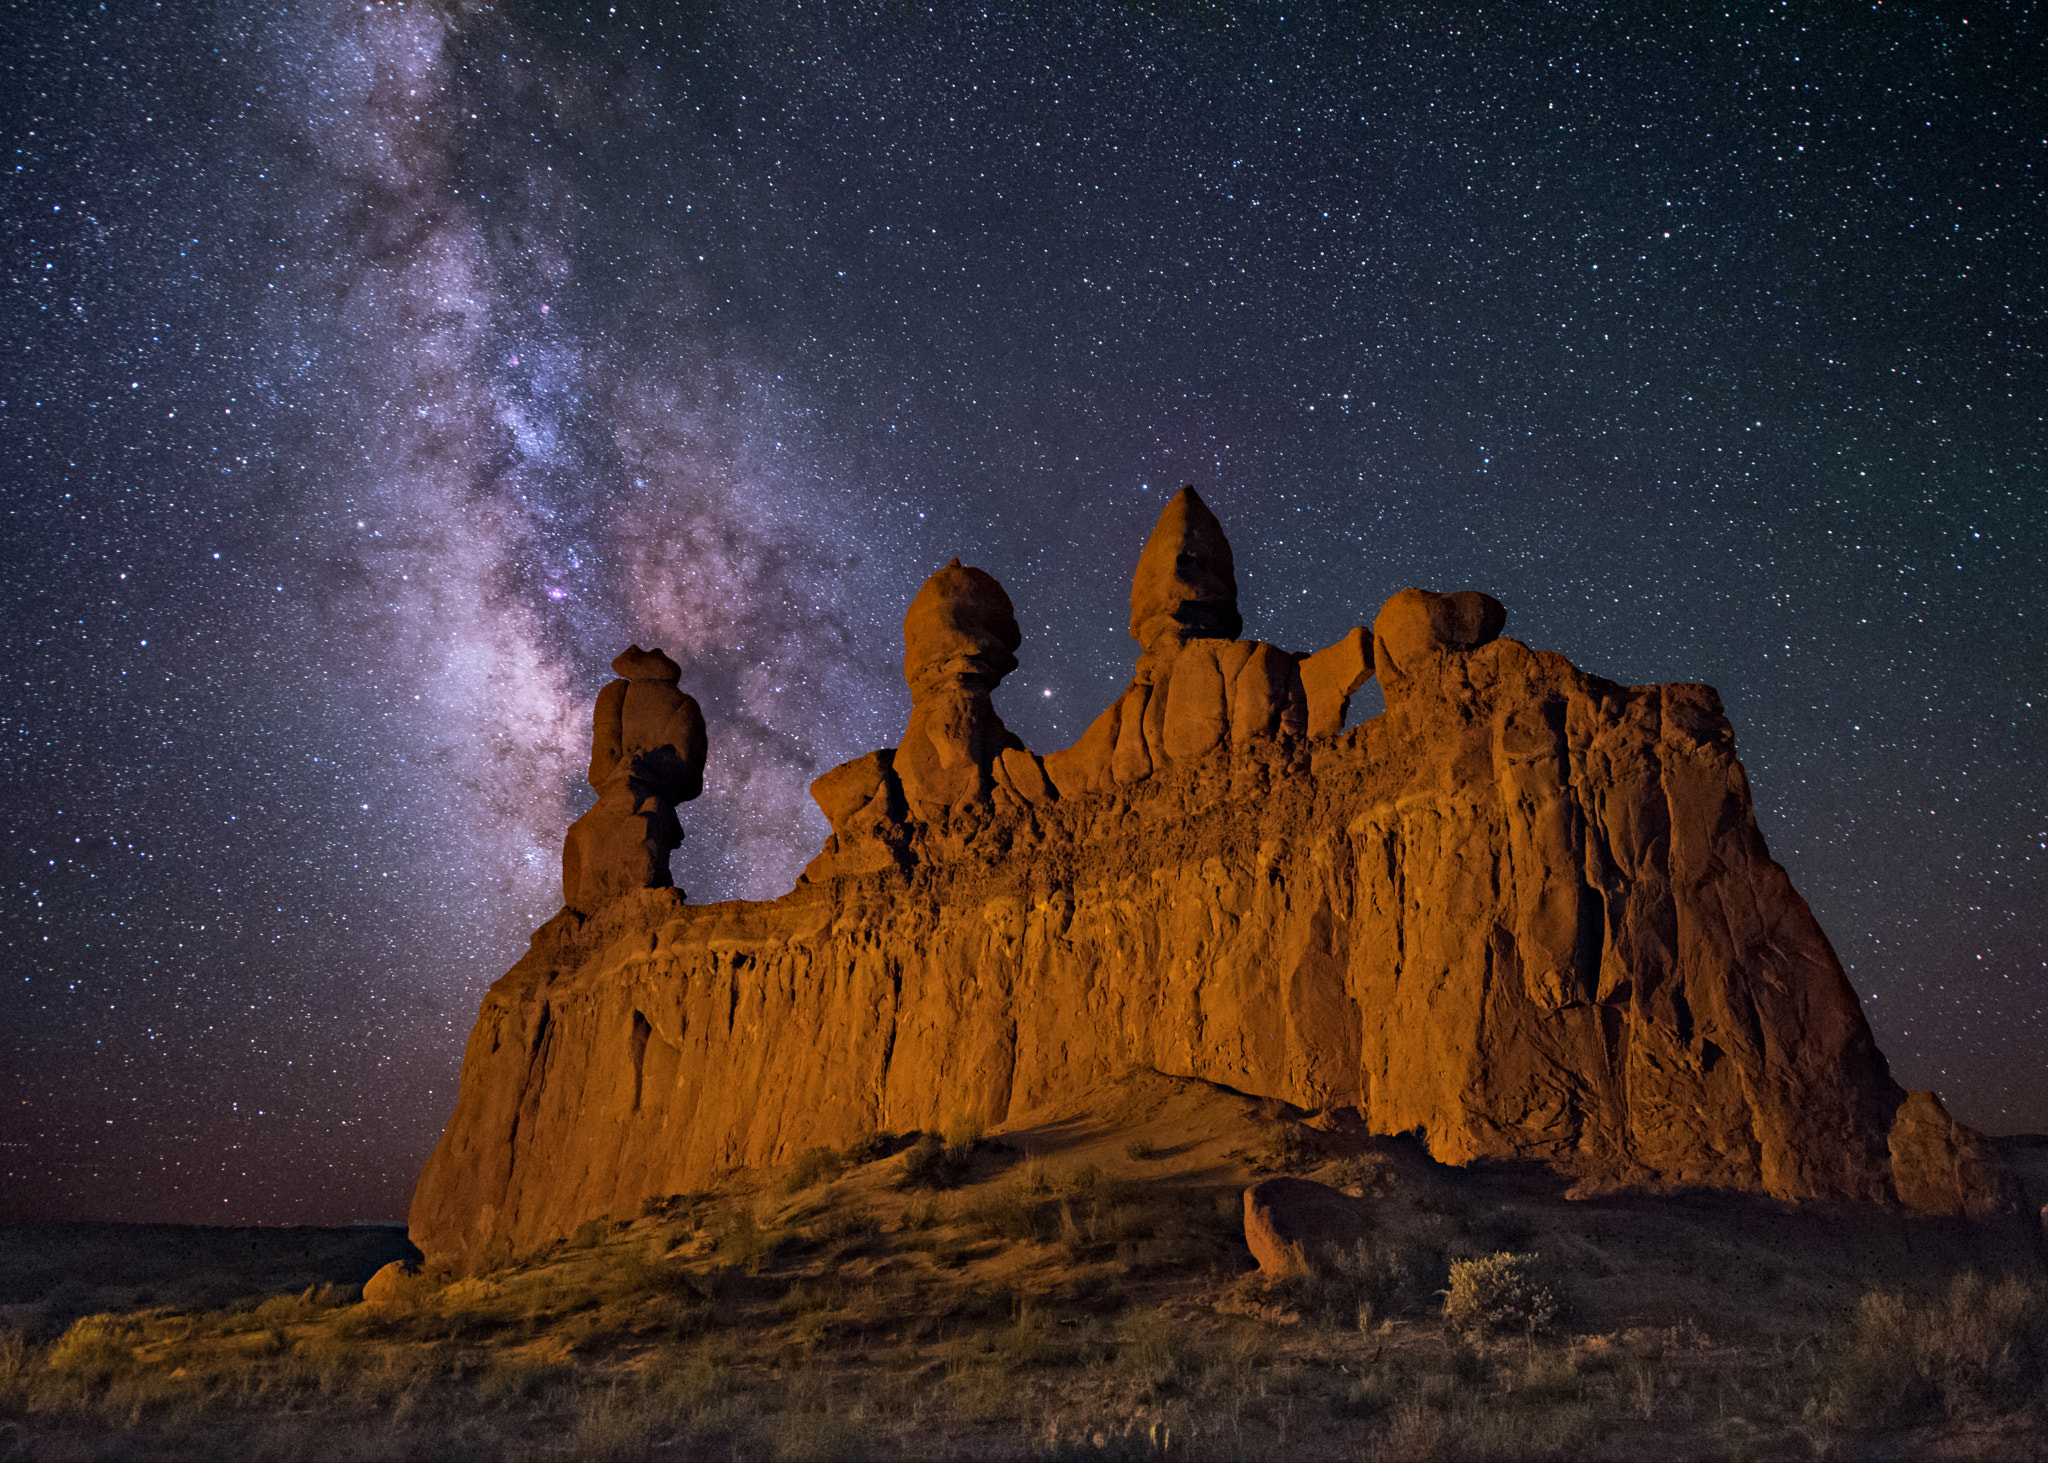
(375, 373)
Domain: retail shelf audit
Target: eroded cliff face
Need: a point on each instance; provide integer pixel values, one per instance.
(1525, 912)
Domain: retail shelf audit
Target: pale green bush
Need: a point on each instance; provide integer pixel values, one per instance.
(1498, 1292)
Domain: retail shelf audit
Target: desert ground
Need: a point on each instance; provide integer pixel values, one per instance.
(1075, 1285)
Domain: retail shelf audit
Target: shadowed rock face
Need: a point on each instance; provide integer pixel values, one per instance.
(1525, 913)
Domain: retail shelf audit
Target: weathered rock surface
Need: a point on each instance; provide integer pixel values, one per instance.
(1185, 587)
(1943, 1167)
(647, 749)
(1330, 678)
(1196, 687)
(1525, 913)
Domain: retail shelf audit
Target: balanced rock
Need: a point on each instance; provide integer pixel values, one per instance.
(1527, 913)
(1197, 688)
(647, 749)
(1417, 630)
(957, 763)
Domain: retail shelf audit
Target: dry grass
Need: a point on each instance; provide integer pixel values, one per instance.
(1034, 1308)
(1976, 1349)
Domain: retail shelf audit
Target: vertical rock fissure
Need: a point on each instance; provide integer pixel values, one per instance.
(641, 1031)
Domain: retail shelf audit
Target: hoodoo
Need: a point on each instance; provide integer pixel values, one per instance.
(1526, 912)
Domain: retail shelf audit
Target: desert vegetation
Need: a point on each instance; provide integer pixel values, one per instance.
(952, 1295)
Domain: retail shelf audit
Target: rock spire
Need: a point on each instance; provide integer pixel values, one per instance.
(647, 749)
(1185, 587)
(960, 639)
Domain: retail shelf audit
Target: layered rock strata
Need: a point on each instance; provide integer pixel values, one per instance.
(1525, 913)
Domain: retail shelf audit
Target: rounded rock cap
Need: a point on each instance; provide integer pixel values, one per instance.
(960, 628)
(635, 664)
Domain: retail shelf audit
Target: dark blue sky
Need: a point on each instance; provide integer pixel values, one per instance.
(372, 374)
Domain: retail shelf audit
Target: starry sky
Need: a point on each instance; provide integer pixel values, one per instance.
(371, 374)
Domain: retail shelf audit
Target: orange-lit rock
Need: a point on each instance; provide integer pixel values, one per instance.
(1196, 687)
(959, 641)
(1525, 913)
(1944, 1167)
(1331, 676)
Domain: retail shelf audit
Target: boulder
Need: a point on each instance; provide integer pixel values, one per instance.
(394, 1286)
(1288, 1222)
(959, 633)
(1416, 630)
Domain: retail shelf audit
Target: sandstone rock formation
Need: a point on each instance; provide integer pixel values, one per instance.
(646, 756)
(394, 1285)
(1943, 1167)
(1525, 913)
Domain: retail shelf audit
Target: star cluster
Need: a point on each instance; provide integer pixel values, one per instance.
(372, 374)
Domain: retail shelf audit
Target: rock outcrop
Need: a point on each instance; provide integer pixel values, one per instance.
(959, 640)
(1524, 913)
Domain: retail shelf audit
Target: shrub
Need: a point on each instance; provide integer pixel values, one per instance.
(867, 1148)
(934, 1164)
(846, 1224)
(619, 1422)
(812, 1167)
(14, 1361)
(962, 1134)
(1498, 1292)
(1288, 1149)
(1346, 1287)
(1368, 1173)
(94, 1349)
(742, 1243)
(1141, 1150)
(1154, 1352)
(1015, 1212)
(1978, 1345)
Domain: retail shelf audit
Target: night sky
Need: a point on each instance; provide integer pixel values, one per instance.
(374, 373)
